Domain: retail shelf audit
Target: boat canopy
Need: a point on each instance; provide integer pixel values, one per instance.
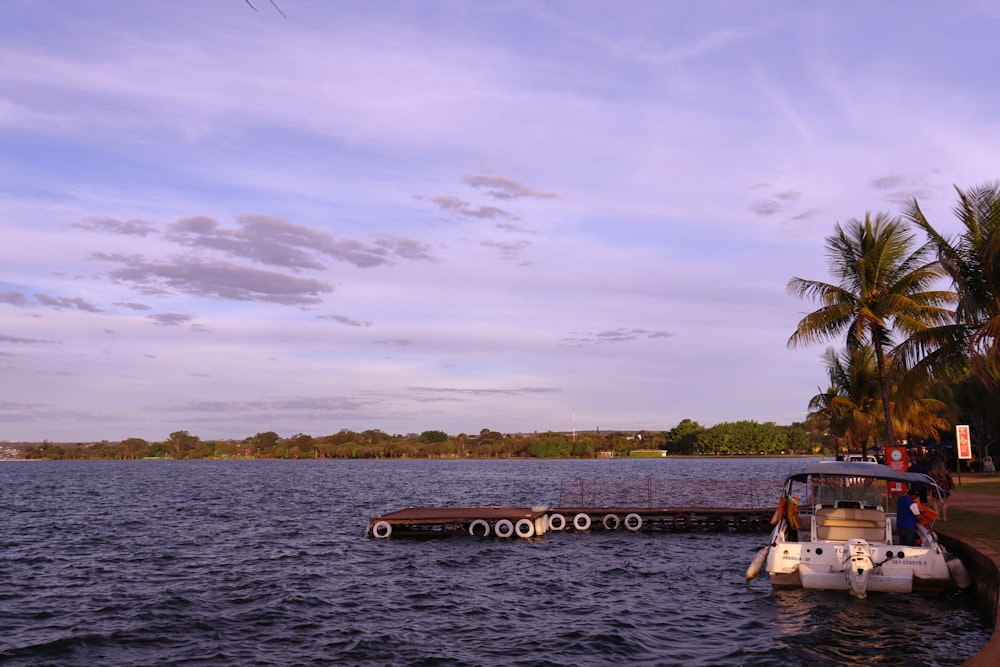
(858, 469)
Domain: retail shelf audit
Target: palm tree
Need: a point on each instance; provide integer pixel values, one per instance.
(884, 287)
(851, 403)
(972, 262)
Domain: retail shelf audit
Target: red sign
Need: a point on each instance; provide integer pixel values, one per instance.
(895, 458)
(964, 442)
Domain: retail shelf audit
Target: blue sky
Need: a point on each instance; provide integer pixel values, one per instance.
(452, 215)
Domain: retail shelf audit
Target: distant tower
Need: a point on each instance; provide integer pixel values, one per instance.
(574, 422)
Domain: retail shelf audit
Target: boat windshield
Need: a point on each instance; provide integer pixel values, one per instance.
(849, 491)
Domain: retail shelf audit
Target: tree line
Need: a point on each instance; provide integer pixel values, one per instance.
(687, 438)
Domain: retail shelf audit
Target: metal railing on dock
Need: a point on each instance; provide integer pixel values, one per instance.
(658, 492)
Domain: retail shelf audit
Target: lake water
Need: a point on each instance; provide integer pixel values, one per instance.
(265, 563)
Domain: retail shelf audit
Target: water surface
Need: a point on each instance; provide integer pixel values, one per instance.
(266, 563)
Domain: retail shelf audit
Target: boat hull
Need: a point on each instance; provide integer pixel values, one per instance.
(826, 566)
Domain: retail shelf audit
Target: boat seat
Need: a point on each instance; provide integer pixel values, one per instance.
(845, 523)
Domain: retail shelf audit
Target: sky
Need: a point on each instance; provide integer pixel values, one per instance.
(308, 216)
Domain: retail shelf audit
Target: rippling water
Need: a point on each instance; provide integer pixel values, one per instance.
(266, 563)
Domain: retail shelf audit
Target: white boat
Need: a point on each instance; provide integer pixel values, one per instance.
(841, 535)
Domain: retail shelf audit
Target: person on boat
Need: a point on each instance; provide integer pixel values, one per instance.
(907, 511)
(920, 466)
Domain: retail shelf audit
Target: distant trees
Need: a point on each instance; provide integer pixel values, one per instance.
(182, 443)
(429, 437)
(688, 437)
(683, 438)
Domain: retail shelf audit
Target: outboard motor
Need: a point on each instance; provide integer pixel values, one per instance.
(858, 568)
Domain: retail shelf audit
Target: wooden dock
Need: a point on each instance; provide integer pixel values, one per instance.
(525, 522)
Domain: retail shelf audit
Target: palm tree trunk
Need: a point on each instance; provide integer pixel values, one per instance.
(883, 385)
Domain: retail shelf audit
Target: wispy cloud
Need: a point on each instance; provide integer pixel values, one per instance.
(467, 210)
(276, 242)
(618, 335)
(502, 188)
(14, 298)
(25, 341)
(170, 319)
(342, 319)
(213, 279)
(112, 226)
(60, 302)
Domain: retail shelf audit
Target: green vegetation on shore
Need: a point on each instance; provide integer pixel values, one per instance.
(977, 525)
(970, 523)
(687, 438)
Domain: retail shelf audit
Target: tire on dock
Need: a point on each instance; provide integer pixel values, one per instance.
(611, 522)
(581, 521)
(525, 528)
(381, 530)
(633, 522)
(503, 528)
(479, 527)
(557, 521)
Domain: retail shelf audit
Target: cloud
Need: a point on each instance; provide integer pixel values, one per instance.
(130, 227)
(14, 298)
(61, 302)
(25, 341)
(318, 406)
(132, 305)
(508, 250)
(213, 279)
(480, 391)
(516, 229)
(502, 188)
(619, 335)
(170, 319)
(467, 210)
(901, 189)
(269, 240)
(405, 248)
(345, 320)
(402, 342)
(808, 213)
(887, 182)
(260, 239)
(788, 195)
(765, 207)
(22, 411)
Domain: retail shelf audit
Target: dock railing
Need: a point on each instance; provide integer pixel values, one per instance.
(656, 492)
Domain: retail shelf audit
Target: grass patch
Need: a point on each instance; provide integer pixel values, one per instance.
(990, 485)
(982, 527)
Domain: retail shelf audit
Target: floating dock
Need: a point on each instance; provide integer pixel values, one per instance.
(527, 522)
(647, 504)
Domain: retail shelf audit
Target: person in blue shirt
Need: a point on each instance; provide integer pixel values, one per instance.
(907, 511)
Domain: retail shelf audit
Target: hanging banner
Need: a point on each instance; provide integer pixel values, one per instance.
(963, 441)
